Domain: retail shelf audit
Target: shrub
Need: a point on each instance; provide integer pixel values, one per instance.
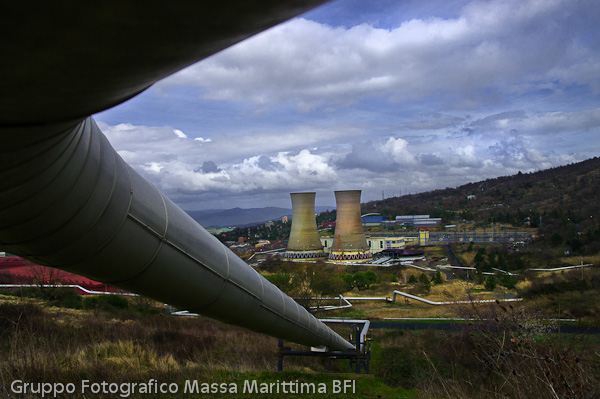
(282, 281)
(490, 283)
(106, 302)
(508, 281)
(425, 282)
(520, 358)
(348, 280)
(361, 280)
(437, 279)
(401, 366)
(65, 297)
(372, 277)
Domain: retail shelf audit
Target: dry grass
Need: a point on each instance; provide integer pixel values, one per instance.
(577, 260)
(40, 343)
(468, 257)
(122, 356)
(509, 353)
(455, 290)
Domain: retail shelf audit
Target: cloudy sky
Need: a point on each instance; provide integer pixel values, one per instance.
(392, 96)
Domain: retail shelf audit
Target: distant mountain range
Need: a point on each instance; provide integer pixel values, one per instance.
(239, 217)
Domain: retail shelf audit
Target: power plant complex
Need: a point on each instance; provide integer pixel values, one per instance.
(349, 243)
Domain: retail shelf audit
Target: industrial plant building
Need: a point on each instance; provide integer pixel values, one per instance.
(378, 242)
(375, 243)
(373, 219)
(418, 221)
(415, 221)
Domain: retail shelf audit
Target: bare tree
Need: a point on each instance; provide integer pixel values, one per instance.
(46, 278)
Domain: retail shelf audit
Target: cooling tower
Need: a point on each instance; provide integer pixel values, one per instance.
(349, 242)
(304, 242)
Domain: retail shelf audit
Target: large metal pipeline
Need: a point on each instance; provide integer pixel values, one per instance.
(67, 198)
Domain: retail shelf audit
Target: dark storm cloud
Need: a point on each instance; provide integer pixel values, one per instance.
(208, 167)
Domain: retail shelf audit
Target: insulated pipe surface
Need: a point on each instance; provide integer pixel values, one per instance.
(67, 59)
(69, 200)
(86, 211)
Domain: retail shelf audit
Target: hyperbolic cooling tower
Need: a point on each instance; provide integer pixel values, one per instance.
(349, 242)
(304, 242)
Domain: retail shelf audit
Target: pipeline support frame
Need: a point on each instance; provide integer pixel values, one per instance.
(359, 359)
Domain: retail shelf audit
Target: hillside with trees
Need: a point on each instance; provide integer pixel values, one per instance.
(562, 203)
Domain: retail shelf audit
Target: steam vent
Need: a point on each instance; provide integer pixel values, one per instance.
(349, 242)
(304, 242)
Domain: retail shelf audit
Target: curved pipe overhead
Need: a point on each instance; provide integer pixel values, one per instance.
(68, 199)
(67, 59)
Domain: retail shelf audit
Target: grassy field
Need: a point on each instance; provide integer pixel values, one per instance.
(42, 343)
(511, 351)
(457, 290)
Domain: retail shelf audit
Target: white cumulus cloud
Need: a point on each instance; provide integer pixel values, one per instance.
(180, 134)
(490, 46)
